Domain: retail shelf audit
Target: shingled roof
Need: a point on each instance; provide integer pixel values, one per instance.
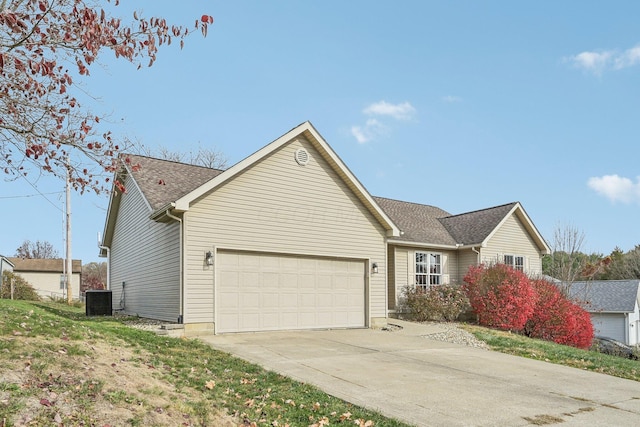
(474, 227)
(432, 225)
(417, 223)
(49, 265)
(164, 181)
(607, 296)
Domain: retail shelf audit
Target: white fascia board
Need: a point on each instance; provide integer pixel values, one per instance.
(392, 229)
(422, 245)
(184, 202)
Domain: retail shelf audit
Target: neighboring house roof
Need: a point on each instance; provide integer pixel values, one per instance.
(607, 296)
(55, 265)
(433, 226)
(172, 187)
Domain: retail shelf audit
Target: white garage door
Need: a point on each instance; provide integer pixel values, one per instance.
(609, 325)
(268, 292)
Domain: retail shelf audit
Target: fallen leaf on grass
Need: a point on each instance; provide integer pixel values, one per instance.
(45, 402)
(210, 384)
(345, 416)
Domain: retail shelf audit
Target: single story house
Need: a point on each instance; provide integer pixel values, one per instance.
(287, 238)
(47, 276)
(614, 306)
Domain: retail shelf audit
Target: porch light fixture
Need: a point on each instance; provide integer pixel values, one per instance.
(208, 259)
(374, 268)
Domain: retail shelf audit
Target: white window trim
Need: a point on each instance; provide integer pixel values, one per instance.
(429, 277)
(514, 261)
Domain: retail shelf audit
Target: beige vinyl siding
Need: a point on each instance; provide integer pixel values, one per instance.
(145, 255)
(279, 206)
(401, 276)
(512, 238)
(466, 258)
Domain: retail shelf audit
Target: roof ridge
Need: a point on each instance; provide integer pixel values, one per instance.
(411, 203)
(172, 161)
(480, 210)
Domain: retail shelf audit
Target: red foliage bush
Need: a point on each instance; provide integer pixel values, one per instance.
(557, 319)
(501, 297)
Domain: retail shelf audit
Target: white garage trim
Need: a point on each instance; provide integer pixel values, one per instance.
(265, 291)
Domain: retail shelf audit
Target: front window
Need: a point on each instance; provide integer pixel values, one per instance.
(514, 261)
(428, 269)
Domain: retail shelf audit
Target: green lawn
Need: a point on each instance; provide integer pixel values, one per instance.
(58, 366)
(510, 343)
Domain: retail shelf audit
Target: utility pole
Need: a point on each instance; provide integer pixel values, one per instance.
(69, 272)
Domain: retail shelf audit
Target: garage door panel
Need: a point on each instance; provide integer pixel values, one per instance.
(288, 292)
(249, 301)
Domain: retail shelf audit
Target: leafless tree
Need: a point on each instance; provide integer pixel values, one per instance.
(37, 250)
(567, 260)
(204, 156)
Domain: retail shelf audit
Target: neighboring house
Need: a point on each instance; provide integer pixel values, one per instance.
(45, 275)
(614, 306)
(437, 248)
(288, 238)
(5, 265)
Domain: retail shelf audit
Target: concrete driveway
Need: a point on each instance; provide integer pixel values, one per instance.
(406, 376)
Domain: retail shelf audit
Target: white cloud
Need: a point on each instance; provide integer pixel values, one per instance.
(597, 62)
(628, 58)
(592, 61)
(371, 130)
(451, 99)
(403, 111)
(616, 188)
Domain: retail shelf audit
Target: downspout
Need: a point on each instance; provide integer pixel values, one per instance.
(181, 310)
(108, 249)
(473, 248)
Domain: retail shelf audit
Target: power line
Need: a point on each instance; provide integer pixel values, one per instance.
(40, 193)
(30, 195)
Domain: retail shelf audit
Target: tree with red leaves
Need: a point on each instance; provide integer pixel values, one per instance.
(557, 319)
(45, 45)
(500, 296)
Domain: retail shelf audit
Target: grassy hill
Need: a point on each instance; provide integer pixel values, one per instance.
(58, 367)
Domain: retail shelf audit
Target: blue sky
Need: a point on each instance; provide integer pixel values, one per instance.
(462, 105)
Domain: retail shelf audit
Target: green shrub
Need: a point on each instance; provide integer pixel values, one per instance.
(437, 303)
(21, 288)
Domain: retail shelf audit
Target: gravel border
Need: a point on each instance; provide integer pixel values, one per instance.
(456, 335)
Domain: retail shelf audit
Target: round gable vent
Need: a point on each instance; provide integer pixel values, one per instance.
(302, 156)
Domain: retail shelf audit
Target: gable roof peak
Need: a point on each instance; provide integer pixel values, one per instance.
(168, 161)
(509, 205)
